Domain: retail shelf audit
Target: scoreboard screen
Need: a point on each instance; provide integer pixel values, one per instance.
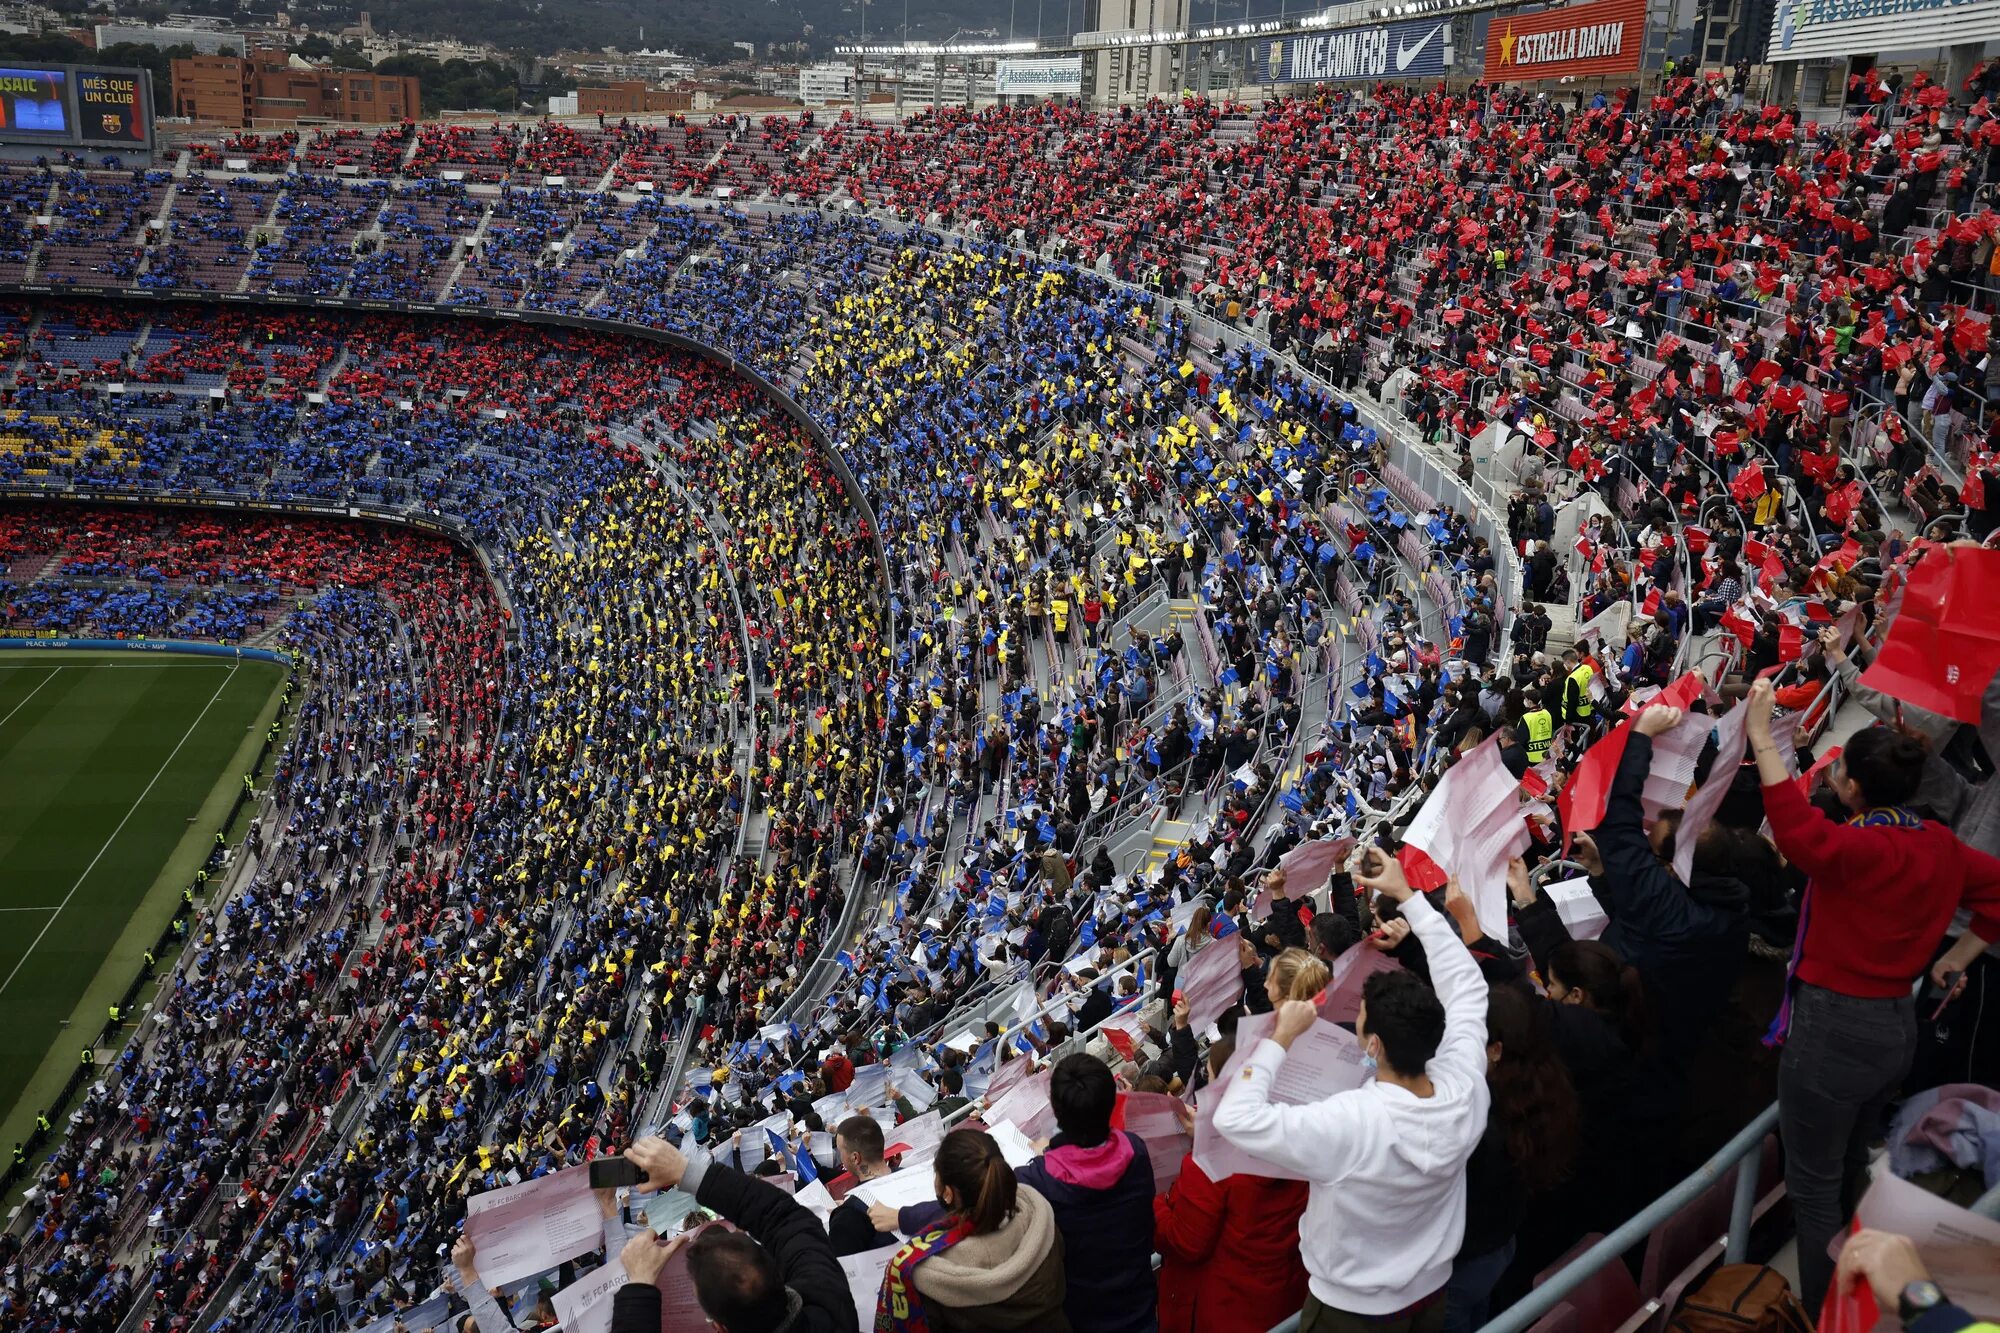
(76, 106)
(112, 106)
(34, 104)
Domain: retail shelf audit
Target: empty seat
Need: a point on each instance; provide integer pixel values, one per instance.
(1604, 1300)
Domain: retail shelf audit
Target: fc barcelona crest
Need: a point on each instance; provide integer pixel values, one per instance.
(113, 123)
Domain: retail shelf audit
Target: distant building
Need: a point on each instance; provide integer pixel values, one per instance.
(757, 102)
(631, 97)
(272, 87)
(1122, 63)
(205, 41)
(826, 85)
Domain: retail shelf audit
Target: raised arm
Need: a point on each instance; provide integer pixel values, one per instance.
(768, 1215)
(1315, 1139)
(1460, 987)
(1809, 840)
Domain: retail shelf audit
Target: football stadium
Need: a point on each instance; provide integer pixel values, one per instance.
(1224, 711)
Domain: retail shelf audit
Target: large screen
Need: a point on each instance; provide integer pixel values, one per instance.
(111, 106)
(34, 103)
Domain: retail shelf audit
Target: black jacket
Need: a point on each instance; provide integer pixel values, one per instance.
(852, 1232)
(782, 1226)
(1096, 1007)
(1688, 947)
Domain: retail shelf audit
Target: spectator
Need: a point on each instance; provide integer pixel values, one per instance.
(860, 1143)
(777, 1272)
(1229, 1249)
(1099, 1184)
(994, 1261)
(1524, 1155)
(1386, 1162)
(1883, 888)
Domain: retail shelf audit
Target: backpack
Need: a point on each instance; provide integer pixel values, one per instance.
(1741, 1298)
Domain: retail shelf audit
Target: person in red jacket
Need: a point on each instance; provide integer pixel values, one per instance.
(1229, 1249)
(1882, 890)
(838, 1070)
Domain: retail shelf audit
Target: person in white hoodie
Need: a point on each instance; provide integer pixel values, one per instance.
(1385, 1162)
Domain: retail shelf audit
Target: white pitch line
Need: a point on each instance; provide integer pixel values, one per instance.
(31, 694)
(30, 909)
(37, 942)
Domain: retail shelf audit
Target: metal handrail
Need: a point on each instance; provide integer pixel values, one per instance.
(1744, 1154)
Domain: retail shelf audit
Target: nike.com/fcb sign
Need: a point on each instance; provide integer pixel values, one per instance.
(1577, 41)
(1419, 50)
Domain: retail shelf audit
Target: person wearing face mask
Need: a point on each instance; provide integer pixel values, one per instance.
(993, 1261)
(1385, 1163)
(1099, 1184)
(1881, 892)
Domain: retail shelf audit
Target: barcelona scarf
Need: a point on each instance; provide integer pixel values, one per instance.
(1892, 816)
(901, 1309)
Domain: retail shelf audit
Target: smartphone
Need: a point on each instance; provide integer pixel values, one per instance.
(1943, 995)
(609, 1173)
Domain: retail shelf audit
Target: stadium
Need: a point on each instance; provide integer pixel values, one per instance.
(820, 619)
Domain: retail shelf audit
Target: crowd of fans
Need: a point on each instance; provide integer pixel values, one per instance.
(1134, 609)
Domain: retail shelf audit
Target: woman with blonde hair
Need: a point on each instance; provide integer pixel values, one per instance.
(1295, 975)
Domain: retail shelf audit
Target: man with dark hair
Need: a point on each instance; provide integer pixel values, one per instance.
(1386, 1161)
(778, 1272)
(859, 1141)
(1097, 1005)
(1333, 935)
(1100, 1184)
(952, 1083)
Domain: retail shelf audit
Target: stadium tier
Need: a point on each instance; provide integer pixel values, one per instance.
(1120, 516)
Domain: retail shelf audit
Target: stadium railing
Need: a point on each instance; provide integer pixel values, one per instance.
(1743, 1155)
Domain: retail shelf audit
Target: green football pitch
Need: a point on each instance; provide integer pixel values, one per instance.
(116, 770)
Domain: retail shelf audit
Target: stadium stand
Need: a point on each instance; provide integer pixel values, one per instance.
(1198, 484)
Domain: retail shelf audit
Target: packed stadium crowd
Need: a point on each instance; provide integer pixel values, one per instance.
(706, 805)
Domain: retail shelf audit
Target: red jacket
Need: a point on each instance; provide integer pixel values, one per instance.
(1882, 897)
(1229, 1252)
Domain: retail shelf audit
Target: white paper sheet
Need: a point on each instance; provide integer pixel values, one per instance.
(1007, 1076)
(864, 1278)
(1961, 1248)
(1471, 824)
(1014, 1146)
(584, 1306)
(534, 1226)
(1025, 1105)
(1154, 1118)
(1323, 1062)
(917, 1137)
(898, 1189)
(666, 1211)
(1582, 915)
(1210, 982)
(916, 1092)
(1340, 1002)
(1730, 740)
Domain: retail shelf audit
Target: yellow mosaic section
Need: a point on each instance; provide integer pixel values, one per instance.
(33, 444)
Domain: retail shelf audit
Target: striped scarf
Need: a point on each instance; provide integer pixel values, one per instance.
(1888, 816)
(900, 1309)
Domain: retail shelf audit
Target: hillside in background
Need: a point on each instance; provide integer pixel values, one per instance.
(709, 26)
